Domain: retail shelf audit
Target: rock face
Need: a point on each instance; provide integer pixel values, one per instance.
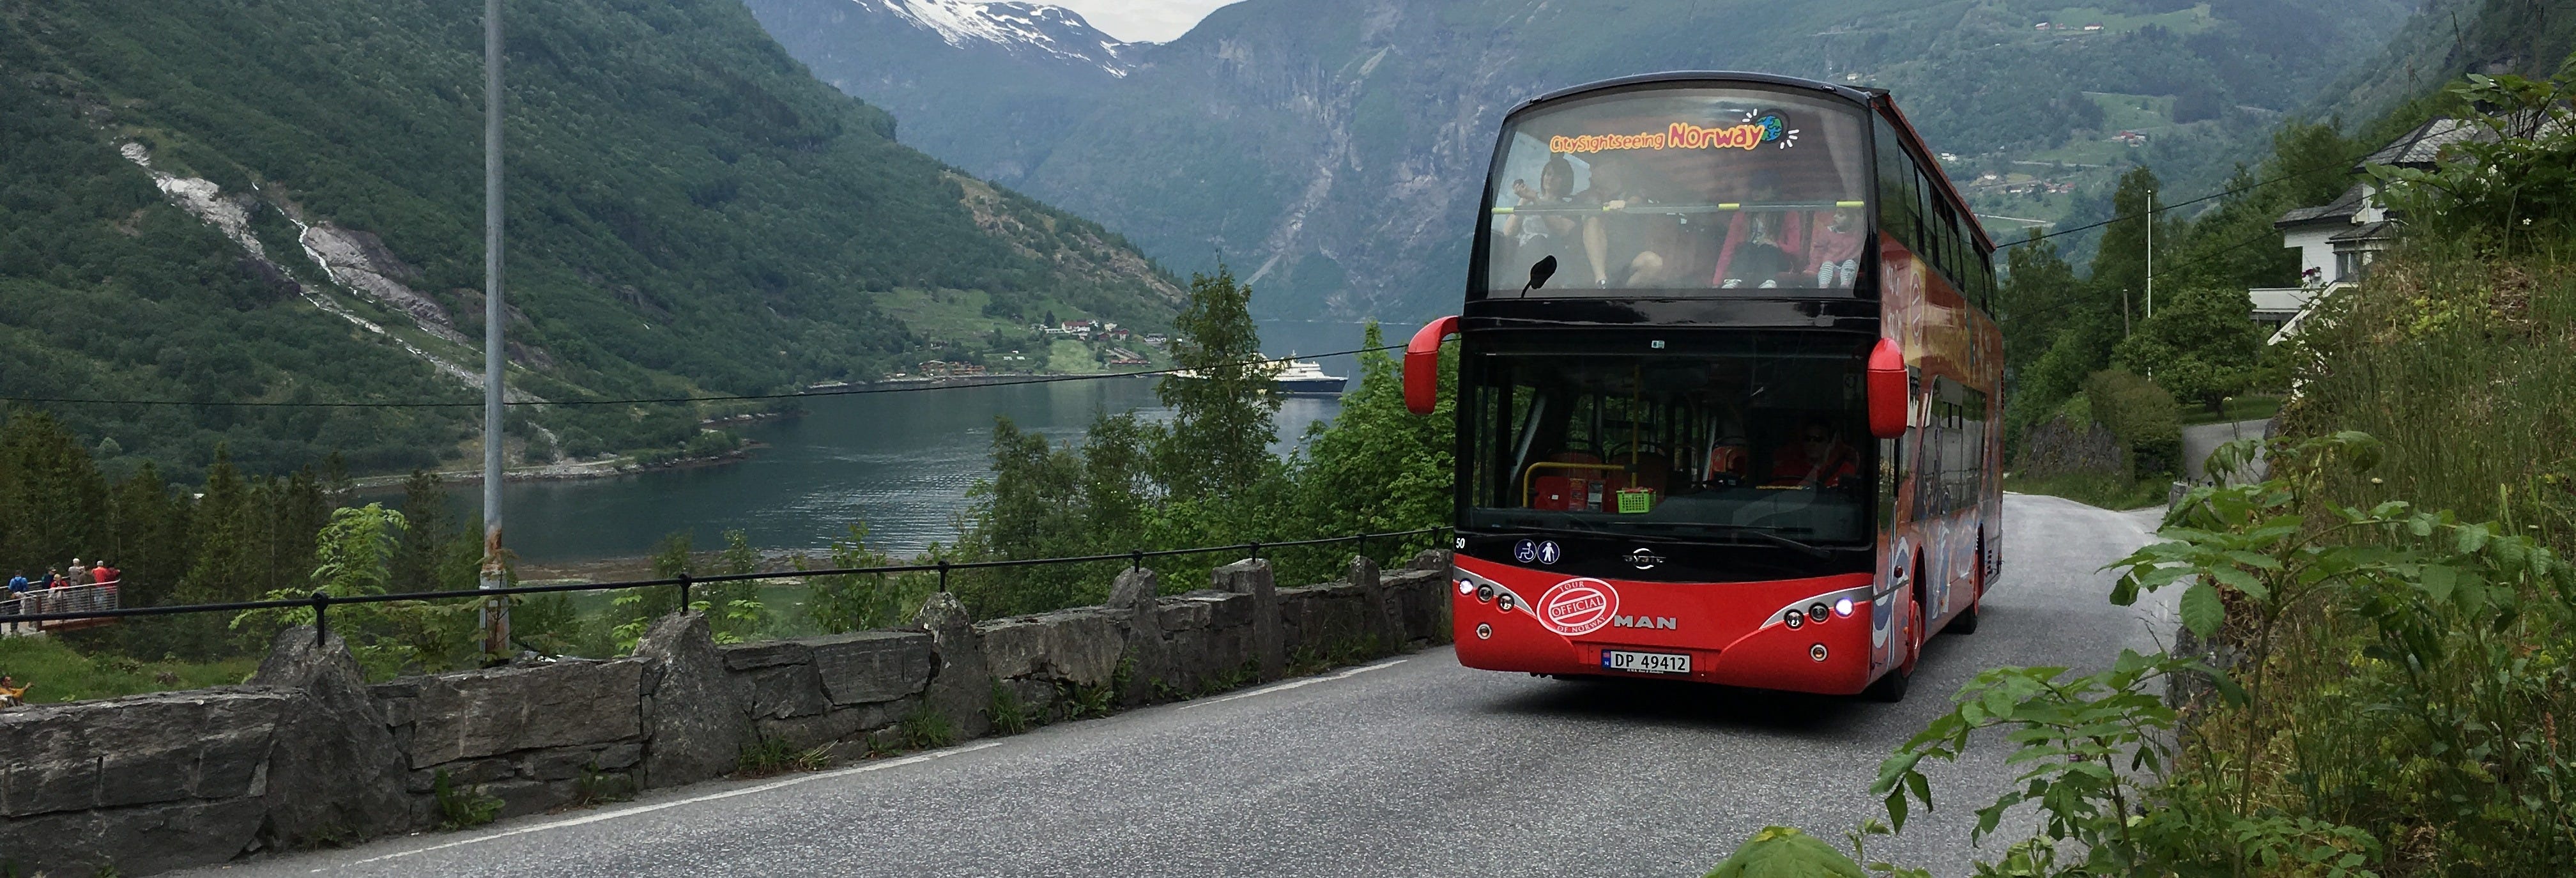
(699, 715)
(334, 770)
(309, 754)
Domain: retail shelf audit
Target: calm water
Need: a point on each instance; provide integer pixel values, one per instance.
(901, 462)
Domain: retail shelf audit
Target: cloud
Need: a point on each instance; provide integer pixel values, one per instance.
(1144, 21)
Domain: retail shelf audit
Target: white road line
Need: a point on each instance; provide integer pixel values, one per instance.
(640, 809)
(1292, 684)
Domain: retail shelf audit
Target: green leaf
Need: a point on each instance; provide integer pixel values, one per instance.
(2437, 582)
(2202, 612)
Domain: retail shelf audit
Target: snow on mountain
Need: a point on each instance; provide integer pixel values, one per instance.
(1053, 30)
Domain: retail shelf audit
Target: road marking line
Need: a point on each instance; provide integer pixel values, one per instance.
(640, 809)
(1292, 684)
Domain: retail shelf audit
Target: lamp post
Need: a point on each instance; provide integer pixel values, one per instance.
(496, 609)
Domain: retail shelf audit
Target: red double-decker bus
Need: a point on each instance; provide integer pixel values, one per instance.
(1724, 390)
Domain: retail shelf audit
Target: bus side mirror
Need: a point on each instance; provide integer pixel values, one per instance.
(1422, 365)
(1887, 391)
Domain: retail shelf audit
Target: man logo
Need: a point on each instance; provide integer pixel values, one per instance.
(1665, 622)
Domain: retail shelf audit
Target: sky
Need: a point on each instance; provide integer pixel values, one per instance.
(1142, 21)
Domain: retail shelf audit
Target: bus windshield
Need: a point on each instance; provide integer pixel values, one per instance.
(1681, 190)
(1704, 438)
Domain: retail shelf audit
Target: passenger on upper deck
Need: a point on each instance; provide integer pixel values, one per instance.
(1536, 236)
(1624, 243)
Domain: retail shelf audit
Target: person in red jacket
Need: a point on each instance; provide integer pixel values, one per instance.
(1819, 459)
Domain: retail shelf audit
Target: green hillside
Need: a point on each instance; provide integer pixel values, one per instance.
(690, 212)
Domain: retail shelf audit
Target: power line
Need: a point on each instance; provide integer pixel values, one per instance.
(2347, 163)
(853, 391)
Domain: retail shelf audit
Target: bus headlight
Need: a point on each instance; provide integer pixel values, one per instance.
(1794, 620)
(1843, 607)
(1504, 603)
(1816, 612)
(1816, 652)
(1485, 592)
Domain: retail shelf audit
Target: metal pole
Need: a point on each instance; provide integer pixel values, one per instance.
(496, 610)
(2151, 253)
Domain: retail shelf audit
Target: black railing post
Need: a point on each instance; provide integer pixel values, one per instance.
(1136, 559)
(684, 592)
(943, 574)
(321, 617)
(1255, 545)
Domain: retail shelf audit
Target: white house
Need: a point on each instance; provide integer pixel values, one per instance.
(2338, 241)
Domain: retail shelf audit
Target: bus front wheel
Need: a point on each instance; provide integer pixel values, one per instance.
(1891, 686)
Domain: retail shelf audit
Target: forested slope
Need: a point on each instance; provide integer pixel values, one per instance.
(689, 212)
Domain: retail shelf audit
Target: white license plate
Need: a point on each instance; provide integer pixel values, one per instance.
(1645, 662)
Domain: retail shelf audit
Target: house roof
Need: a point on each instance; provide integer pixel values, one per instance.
(2378, 231)
(2421, 147)
(2344, 208)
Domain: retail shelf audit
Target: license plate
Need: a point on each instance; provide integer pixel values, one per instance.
(1645, 662)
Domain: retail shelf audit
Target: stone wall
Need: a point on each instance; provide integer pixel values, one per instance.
(2058, 446)
(307, 753)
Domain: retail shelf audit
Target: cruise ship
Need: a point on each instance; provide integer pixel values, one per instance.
(1302, 378)
(1296, 378)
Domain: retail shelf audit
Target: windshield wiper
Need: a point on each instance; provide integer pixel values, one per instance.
(1765, 534)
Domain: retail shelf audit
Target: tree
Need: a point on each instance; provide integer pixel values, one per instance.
(52, 498)
(1379, 467)
(1222, 422)
(226, 563)
(2120, 266)
(2202, 346)
(416, 560)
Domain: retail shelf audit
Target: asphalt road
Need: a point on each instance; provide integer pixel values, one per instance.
(1412, 766)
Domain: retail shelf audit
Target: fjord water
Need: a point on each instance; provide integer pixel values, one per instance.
(901, 462)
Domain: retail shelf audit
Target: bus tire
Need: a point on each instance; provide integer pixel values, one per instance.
(1890, 687)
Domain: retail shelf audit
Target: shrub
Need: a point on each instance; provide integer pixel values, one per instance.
(2142, 416)
(461, 807)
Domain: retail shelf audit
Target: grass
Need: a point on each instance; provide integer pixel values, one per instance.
(56, 673)
(2237, 408)
(2108, 492)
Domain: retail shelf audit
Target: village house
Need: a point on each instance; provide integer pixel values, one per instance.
(2338, 241)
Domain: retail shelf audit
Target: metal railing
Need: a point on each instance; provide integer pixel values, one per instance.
(321, 602)
(62, 607)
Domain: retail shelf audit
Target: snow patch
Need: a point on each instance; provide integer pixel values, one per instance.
(1053, 30)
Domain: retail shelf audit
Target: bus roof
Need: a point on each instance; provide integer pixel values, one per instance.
(1875, 99)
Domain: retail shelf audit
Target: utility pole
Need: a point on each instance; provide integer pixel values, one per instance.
(496, 608)
(2151, 253)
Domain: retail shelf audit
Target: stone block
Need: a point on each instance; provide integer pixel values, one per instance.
(482, 713)
(620, 756)
(136, 841)
(833, 727)
(335, 772)
(204, 744)
(785, 690)
(1181, 614)
(960, 686)
(1253, 578)
(1224, 609)
(563, 763)
(520, 798)
(1079, 646)
(700, 714)
(870, 666)
(747, 656)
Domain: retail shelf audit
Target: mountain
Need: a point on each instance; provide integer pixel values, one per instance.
(2449, 38)
(281, 201)
(988, 85)
(1331, 149)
